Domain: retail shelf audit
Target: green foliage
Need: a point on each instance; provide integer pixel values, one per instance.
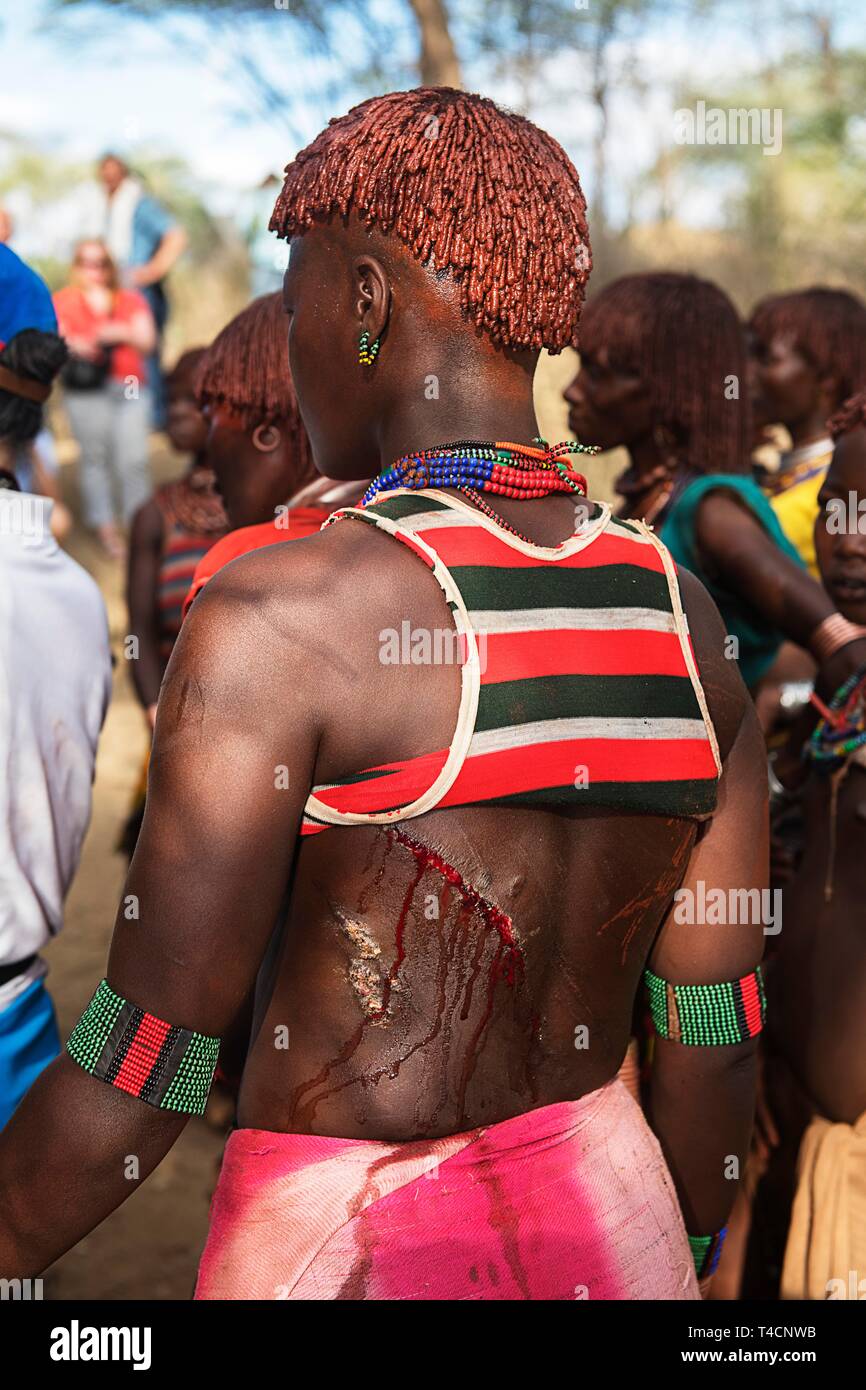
(799, 216)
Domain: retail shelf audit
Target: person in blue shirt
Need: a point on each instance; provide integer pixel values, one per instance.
(146, 242)
(24, 296)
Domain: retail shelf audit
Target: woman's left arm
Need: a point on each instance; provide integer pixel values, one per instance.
(733, 544)
(198, 907)
(138, 331)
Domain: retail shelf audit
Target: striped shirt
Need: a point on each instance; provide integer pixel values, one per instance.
(193, 521)
(579, 685)
(181, 553)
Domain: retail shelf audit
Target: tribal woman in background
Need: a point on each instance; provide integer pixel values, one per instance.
(449, 862)
(664, 374)
(169, 535)
(256, 442)
(807, 355)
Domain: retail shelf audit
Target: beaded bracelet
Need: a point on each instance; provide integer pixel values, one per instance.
(706, 1252)
(708, 1015)
(170, 1068)
(831, 635)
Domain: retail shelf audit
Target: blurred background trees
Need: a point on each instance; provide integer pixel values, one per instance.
(605, 76)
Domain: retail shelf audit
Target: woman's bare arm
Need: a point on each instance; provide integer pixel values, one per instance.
(702, 1097)
(199, 903)
(145, 544)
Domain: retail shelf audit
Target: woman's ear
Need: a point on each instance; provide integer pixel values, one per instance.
(373, 301)
(266, 438)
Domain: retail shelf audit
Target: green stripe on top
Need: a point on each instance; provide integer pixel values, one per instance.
(353, 778)
(572, 697)
(399, 508)
(688, 797)
(491, 587)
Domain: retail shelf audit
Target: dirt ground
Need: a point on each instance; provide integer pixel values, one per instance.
(150, 1247)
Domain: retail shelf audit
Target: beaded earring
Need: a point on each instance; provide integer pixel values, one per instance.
(367, 351)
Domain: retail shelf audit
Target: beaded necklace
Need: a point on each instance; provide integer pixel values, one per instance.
(473, 467)
(836, 742)
(842, 730)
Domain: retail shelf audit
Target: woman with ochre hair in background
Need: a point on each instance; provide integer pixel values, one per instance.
(169, 534)
(664, 374)
(256, 442)
(807, 354)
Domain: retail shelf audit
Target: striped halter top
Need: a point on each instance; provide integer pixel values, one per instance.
(579, 685)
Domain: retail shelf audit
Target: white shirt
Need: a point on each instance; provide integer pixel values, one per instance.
(55, 684)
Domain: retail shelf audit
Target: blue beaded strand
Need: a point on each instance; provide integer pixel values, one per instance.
(449, 470)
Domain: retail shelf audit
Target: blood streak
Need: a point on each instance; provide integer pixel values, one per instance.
(507, 966)
(492, 916)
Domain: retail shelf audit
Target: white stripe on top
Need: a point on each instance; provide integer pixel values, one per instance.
(493, 620)
(583, 727)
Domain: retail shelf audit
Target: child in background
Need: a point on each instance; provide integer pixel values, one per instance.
(169, 535)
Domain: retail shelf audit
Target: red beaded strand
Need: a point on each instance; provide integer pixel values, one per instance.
(531, 473)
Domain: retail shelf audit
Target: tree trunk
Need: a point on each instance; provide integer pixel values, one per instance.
(438, 63)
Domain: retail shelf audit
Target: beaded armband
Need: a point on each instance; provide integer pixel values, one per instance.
(708, 1015)
(171, 1068)
(706, 1252)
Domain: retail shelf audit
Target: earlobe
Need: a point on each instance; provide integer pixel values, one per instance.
(266, 438)
(373, 304)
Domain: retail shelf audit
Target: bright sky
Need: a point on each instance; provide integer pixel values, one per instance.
(160, 87)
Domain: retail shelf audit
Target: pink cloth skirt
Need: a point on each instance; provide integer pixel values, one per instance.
(570, 1201)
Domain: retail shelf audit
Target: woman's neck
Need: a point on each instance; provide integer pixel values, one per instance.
(808, 431)
(451, 387)
(417, 429)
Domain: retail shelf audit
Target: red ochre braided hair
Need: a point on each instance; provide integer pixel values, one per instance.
(849, 417)
(246, 368)
(468, 188)
(683, 336)
(827, 327)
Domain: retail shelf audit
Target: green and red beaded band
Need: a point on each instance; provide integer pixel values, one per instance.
(168, 1067)
(708, 1015)
(706, 1252)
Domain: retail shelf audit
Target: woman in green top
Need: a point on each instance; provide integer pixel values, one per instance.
(663, 375)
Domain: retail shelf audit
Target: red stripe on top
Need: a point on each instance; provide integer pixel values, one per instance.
(141, 1057)
(542, 765)
(408, 780)
(474, 545)
(751, 1004)
(412, 544)
(531, 768)
(508, 656)
(178, 570)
